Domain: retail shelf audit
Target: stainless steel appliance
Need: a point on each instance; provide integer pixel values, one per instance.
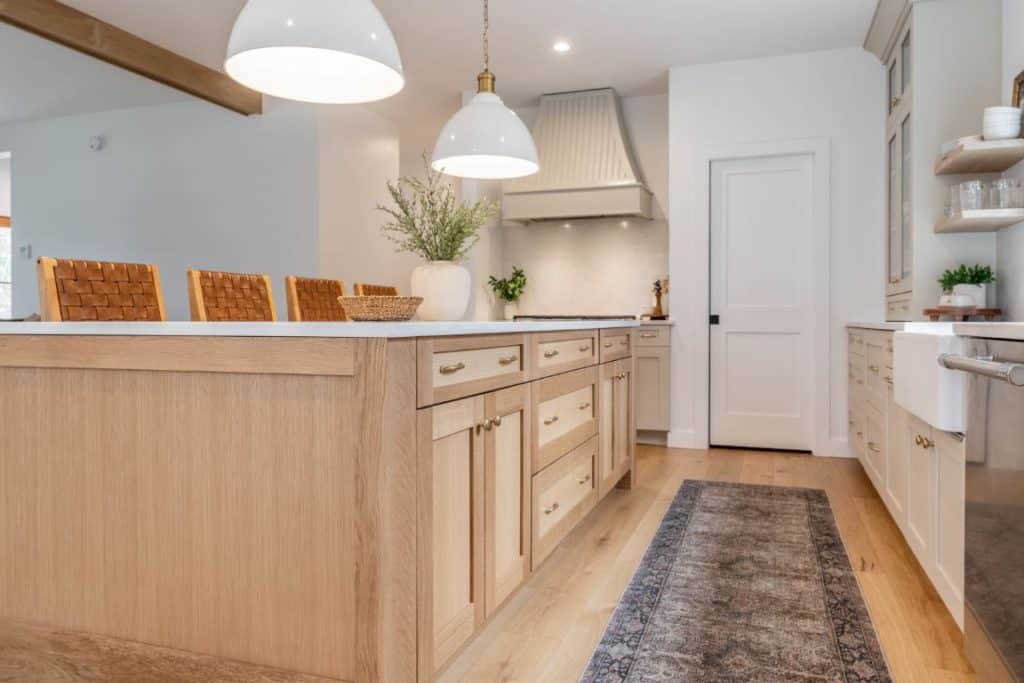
(994, 531)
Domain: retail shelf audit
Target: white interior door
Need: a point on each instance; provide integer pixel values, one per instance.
(762, 290)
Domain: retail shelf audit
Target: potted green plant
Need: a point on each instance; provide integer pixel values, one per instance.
(429, 222)
(968, 281)
(509, 290)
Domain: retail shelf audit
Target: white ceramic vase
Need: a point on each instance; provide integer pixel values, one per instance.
(445, 288)
(976, 292)
(511, 310)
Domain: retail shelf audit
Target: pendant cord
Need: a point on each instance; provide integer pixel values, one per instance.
(487, 43)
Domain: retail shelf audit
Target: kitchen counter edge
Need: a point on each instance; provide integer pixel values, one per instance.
(1010, 331)
(354, 330)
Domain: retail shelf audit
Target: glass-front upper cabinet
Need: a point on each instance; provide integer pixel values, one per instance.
(899, 155)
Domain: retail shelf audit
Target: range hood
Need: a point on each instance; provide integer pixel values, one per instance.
(587, 168)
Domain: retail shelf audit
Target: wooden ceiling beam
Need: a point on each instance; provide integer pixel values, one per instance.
(79, 31)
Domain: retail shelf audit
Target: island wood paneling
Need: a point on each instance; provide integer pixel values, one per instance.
(79, 31)
(265, 518)
(263, 355)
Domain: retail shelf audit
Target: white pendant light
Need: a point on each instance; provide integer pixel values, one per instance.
(324, 51)
(485, 139)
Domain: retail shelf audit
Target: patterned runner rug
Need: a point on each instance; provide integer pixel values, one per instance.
(742, 583)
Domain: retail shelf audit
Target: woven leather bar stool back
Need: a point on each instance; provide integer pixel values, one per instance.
(314, 299)
(76, 290)
(214, 296)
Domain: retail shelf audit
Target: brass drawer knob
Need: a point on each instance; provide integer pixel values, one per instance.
(551, 420)
(497, 421)
(508, 360)
(927, 443)
(452, 369)
(584, 480)
(548, 511)
(551, 354)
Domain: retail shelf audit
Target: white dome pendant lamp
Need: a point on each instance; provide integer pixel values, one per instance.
(485, 139)
(322, 51)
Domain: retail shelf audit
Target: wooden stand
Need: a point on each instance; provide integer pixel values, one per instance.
(963, 314)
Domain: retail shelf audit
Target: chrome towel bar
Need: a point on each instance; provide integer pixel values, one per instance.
(1011, 373)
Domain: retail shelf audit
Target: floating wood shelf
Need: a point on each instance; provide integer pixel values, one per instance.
(983, 156)
(984, 220)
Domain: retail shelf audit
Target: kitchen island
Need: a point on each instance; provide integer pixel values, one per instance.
(351, 500)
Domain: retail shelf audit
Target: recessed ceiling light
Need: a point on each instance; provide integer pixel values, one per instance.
(561, 47)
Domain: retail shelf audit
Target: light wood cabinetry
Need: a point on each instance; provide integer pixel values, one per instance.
(616, 344)
(918, 471)
(505, 475)
(617, 415)
(653, 378)
(452, 466)
(507, 496)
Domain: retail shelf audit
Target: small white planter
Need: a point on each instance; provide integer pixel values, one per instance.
(511, 310)
(977, 293)
(445, 288)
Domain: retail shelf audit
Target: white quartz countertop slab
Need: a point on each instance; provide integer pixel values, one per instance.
(1011, 331)
(663, 323)
(288, 329)
(889, 327)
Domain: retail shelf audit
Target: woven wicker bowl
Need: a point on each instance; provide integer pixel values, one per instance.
(380, 308)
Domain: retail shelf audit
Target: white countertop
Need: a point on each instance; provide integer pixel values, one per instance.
(665, 323)
(1011, 331)
(289, 329)
(890, 327)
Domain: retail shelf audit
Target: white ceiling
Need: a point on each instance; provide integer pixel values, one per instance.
(627, 44)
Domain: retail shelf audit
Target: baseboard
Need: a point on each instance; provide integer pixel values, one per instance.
(685, 438)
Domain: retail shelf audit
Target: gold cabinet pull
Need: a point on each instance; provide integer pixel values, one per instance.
(548, 511)
(497, 421)
(919, 440)
(508, 360)
(551, 420)
(584, 406)
(874, 447)
(584, 480)
(888, 379)
(552, 353)
(624, 342)
(648, 335)
(584, 348)
(927, 443)
(608, 345)
(873, 368)
(488, 425)
(452, 369)
(860, 434)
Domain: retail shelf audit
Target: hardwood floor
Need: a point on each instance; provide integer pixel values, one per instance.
(549, 628)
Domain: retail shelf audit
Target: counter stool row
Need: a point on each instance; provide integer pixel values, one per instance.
(72, 290)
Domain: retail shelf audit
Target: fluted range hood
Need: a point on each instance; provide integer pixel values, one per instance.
(587, 169)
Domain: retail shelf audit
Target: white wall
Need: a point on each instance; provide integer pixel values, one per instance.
(5, 184)
(190, 185)
(836, 95)
(1010, 242)
(600, 266)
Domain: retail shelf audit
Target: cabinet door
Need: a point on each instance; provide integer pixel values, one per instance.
(875, 447)
(652, 396)
(507, 499)
(451, 527)
(606, 427)
(897, 470)
(949, 550)
(920, 529)
(624, 429)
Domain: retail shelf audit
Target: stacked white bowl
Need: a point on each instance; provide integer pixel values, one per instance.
(1002, 123)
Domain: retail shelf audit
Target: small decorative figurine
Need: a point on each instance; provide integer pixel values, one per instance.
(660, 289)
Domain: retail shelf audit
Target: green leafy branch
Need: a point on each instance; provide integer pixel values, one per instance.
(510, 289)
(429, 222)
(966, 275)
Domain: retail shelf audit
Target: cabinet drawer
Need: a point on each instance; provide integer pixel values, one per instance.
(564, 414)
(451, 368)
(653, 335)
(562, 495)
(558, 352)
(898, 309)
(616, 343)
